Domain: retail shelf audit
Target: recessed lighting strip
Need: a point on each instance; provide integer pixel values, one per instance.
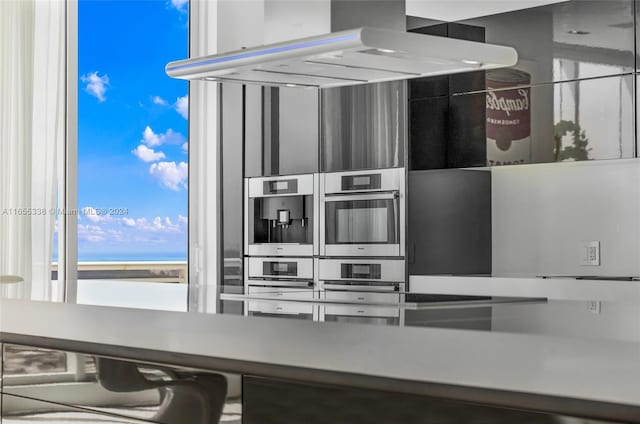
(264, 52)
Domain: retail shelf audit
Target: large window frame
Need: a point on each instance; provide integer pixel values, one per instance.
(203, 206)
(68, 173)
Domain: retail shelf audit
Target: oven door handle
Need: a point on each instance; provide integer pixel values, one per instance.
(365, 196)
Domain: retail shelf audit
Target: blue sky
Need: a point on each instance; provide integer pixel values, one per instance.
(132, 132)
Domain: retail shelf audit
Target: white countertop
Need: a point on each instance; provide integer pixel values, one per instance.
(399, 359)
(551, 288)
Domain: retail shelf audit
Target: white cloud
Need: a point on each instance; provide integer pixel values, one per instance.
(165, 224)
(159, 101)
(146, 154)
(158, 224)
(116, 235)
(134, 230)
(179, 4)
(171, 175)
(182, 106)
(185, 147)
(129, 222)
(96, 85)
(92, 233)
(151, 139)
(94, 215)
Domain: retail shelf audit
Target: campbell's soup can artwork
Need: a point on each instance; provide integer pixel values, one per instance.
(508, 117)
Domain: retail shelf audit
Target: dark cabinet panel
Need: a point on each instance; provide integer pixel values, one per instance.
(282, 133)
(570, 121)
(364, 126)
(450, 222)
(160, 394)
(442, 132)
(271, 401)
(429, 126)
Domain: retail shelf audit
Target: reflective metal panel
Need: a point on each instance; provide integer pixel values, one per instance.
(568, 40)
(281, 131)
(563, 122)
(129, 389)
(231, 187)
(363, 127)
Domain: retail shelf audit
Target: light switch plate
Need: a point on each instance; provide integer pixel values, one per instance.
(590, 253)
(594, 306)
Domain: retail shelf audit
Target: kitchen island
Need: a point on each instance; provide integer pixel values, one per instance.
(532, 373)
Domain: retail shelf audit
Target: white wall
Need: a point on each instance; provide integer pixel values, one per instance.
(542, 213)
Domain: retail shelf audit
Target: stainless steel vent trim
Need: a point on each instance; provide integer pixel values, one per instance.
(401, 56)
(277, 51)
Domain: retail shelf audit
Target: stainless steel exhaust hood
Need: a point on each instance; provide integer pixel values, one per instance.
(357, 56)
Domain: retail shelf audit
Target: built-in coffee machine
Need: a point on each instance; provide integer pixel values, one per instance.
(281, 239)
(280, 216)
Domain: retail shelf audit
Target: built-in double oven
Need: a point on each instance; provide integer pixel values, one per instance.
(362, 213)
(362, 244)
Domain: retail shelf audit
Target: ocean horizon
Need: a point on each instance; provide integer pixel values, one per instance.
(131, 257)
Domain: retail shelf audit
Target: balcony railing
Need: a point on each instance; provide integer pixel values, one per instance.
(140, 271)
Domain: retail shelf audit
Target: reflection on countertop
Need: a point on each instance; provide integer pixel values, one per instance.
(590, 319)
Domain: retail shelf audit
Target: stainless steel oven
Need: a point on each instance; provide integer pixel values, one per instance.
(281, 216)
(362, 213)
(281, 286)
(288, 271)
(362, 290)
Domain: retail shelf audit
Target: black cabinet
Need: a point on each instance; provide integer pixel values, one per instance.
(273, 401)
(448, 131)
(450, 222)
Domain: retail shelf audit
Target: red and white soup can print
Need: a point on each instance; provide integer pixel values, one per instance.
(508, 117)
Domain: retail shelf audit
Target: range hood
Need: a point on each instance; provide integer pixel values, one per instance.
(344, 58)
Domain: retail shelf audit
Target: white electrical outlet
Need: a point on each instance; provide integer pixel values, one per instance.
(590, 253)
(594, 306)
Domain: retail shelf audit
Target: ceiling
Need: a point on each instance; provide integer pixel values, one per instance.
(457, 10)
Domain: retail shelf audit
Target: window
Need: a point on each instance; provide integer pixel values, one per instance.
(132, 154)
